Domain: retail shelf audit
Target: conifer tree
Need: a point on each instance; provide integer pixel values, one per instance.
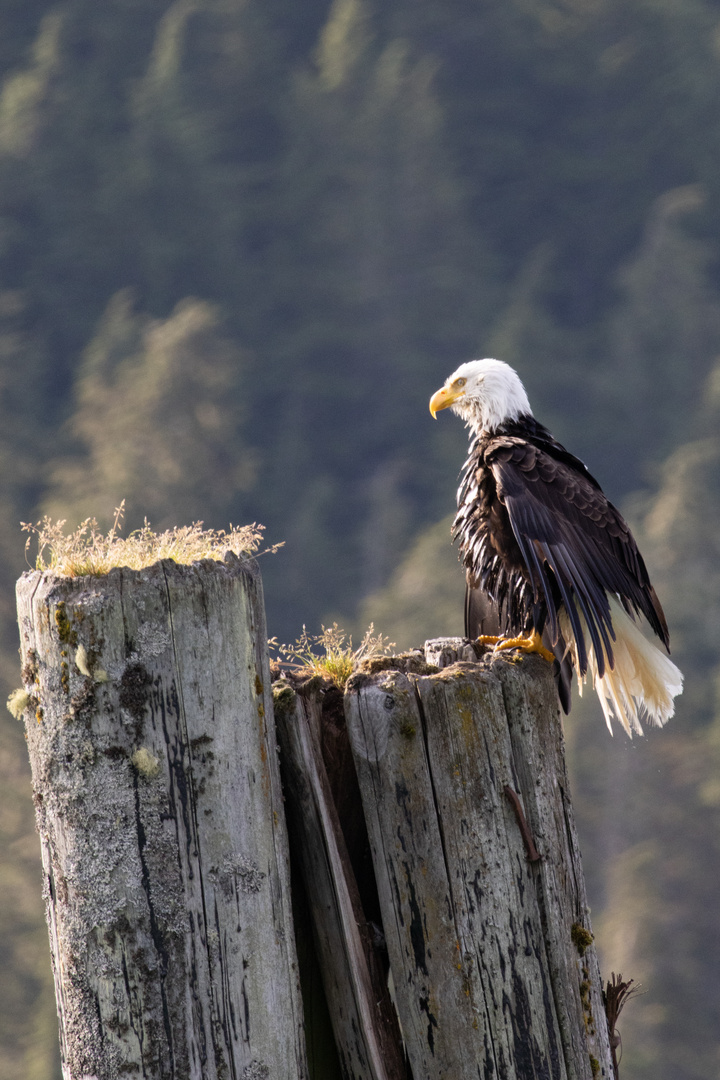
(158, 421)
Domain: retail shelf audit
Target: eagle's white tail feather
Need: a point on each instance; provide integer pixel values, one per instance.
(642, 682)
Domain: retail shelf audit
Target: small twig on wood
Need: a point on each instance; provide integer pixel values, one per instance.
(615, 995)
(532, 852)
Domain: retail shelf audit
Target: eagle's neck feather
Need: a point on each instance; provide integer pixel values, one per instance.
(486, 420)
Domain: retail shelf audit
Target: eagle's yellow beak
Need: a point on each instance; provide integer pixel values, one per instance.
(445, 397)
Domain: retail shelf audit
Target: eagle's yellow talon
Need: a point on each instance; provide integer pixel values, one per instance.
(528, 644)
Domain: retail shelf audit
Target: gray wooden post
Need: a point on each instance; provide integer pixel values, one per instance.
(362, 1017)
(467, 804)
(154, 763)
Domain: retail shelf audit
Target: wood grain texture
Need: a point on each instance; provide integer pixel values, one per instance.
(159, 808)
(368, 1045)
(539, 761)
(488, 977)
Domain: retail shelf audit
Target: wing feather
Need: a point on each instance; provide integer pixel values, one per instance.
(571, 537)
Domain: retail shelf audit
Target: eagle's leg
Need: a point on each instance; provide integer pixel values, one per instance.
(528, 644)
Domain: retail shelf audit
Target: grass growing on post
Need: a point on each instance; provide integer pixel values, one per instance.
(88, 550)
(331, 654)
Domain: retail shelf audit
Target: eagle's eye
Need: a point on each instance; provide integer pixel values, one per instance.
(460, 382)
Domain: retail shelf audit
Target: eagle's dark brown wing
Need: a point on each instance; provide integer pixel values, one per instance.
(571, 537)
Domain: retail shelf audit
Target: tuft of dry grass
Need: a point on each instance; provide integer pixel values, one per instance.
(88, 550)
(331, 654)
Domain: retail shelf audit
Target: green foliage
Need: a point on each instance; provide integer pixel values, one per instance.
(664, 334)
(28, 1019)
(158, 404)
(424, 598)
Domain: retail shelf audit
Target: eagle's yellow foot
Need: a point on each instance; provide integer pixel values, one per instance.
(488, 639)
(528, 644)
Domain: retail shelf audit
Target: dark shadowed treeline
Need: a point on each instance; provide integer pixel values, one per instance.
(241, 244)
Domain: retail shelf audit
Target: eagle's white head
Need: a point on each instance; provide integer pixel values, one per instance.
(485, 393)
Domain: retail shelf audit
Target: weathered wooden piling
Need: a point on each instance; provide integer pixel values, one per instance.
(467, 805)
(361, 1012)
(154, 763)
(149, 720)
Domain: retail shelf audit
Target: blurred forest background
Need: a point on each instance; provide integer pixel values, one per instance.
(243, 241)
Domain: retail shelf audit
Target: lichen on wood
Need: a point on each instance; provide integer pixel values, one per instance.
(159, 810)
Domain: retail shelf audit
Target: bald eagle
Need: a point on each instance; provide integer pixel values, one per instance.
(555, 559)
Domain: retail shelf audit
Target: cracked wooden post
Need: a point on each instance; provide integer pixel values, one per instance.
(149, 724)
(466, 800)
(361, 1013)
